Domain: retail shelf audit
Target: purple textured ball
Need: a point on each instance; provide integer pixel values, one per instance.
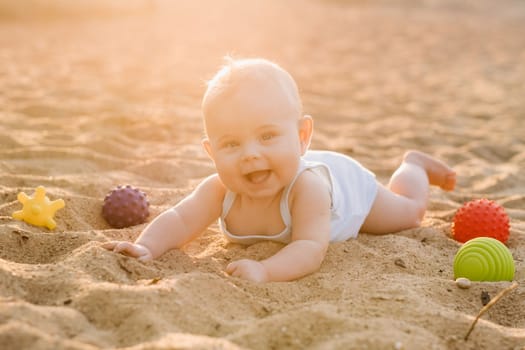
(125, 206)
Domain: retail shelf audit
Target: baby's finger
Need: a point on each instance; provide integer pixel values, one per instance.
(144, 258)
(134, 250)
(109, 245)
(125, 247)
(231, 268)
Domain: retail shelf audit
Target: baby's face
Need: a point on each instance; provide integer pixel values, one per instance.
(254, 141)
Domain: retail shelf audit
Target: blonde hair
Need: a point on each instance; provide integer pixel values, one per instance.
(241, 72)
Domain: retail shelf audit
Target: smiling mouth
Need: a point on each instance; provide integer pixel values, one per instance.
(257, 177)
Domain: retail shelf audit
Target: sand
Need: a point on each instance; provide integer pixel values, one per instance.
(92, 97)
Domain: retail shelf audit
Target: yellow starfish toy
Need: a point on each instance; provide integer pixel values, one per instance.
(38, 210)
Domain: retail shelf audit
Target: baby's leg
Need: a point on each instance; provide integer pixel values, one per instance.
(402, 204)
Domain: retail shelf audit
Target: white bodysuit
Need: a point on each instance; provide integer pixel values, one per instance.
(353, 189)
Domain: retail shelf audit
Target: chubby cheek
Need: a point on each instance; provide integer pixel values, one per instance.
(227, 173)
(289, 171)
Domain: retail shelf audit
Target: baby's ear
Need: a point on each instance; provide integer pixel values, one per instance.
(207, 146)
(306, 128)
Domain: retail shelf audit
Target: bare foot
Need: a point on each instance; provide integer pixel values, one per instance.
(439, 174)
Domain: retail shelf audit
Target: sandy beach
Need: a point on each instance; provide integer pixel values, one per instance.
(95, 96)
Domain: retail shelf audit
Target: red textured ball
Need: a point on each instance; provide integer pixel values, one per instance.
(125, 206)
(481, 218)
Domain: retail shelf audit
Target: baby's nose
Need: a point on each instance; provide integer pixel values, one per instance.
(251, 151)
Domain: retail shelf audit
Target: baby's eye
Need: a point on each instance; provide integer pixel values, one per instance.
(267, 136)
(229, 144)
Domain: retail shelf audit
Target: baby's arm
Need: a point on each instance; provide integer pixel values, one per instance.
(178, 225)
(310, 209)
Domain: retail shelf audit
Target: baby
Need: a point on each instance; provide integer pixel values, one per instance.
(269, 186)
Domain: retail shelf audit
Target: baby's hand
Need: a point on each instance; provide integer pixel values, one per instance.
(248, 269)
(128, 248)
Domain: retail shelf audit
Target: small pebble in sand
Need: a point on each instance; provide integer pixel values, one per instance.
(485, 297)
(400, 263)
(463, 283)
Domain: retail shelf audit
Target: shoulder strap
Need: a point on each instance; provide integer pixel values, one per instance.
(227, 203)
